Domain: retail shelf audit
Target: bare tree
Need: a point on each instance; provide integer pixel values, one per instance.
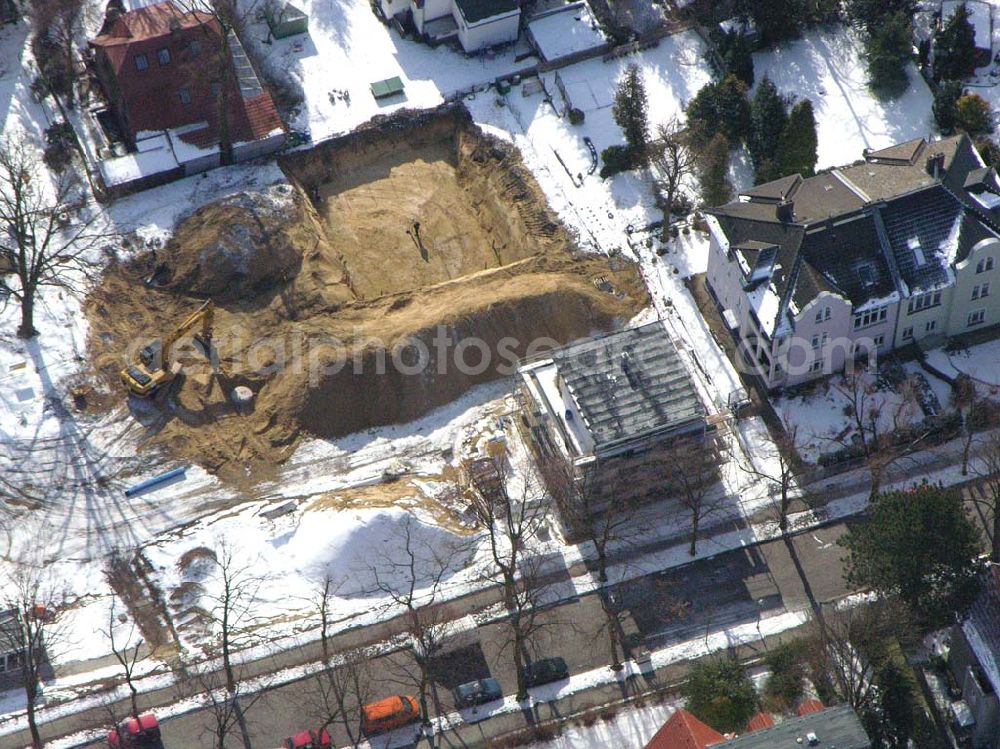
(778, 469)
(29, 632)
(691, 471)
(602, 516)
(854, 641)
(57, 24)
(967, 401)
(673, 160)
(325, 591)
(125, 647)
(342, 689)
(876, 420)
(410, 572)
(510, 522)
(232, 614)
(987, 468)
(227, 19)
(44, 241)
(224, 708)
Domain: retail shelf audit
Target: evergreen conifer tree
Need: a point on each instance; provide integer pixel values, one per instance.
(797, 145)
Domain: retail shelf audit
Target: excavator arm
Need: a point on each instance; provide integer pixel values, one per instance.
(154, 367)
(205, 315)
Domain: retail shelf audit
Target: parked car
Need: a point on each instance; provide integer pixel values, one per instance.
(308, 740)
(136, 733)
(545, 670)
(392, 712)
(477, 692)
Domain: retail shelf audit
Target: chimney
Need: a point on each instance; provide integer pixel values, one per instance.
(935, 164)
(785, 211)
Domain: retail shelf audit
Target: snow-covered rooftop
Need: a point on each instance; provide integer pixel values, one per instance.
(566, 31)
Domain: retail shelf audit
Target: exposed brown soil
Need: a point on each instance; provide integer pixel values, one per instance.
(304, 311)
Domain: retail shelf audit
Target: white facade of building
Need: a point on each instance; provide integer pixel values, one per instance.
(473, 34)
(818, 339)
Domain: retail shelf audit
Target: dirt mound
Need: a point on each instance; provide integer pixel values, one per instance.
(324, 358)
(238, 247)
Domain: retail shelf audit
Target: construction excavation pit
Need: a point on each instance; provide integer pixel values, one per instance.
(397, 267)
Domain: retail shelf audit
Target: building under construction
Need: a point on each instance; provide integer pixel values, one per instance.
(617, 419)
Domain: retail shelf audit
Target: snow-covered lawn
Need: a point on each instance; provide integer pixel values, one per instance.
(829, 69)
(823, 413)
(348, 48)
(979, 362)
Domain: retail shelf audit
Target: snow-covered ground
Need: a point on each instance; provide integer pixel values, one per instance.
(348, 48)
(979, 362)
(828, 68)
(823, 414)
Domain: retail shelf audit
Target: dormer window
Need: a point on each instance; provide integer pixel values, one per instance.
(141, 62)
(867, 275)
(163, 56)
(984, 265)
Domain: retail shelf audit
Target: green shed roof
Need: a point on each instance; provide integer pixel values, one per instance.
(388, 87)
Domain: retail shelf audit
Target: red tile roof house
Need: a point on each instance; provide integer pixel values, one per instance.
(158, 66)
(684, 731)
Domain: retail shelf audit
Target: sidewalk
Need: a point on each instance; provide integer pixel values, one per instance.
(163, 690)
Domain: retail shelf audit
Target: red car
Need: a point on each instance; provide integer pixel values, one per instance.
(308, 740)
(136, 733)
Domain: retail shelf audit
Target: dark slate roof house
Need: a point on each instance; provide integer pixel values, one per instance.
(832, 728)
(894, 221)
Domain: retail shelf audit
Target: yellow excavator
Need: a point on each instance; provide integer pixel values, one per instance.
(154, 369)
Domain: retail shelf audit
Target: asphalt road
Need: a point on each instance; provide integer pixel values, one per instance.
(729, 589)
(735, 587)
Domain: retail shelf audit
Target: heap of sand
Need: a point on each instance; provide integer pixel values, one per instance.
(318, 281)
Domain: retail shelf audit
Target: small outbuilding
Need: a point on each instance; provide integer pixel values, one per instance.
(284, 19)
(386, 88)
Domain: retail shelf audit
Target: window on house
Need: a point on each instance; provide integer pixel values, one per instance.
(879, 340)
(871, 317)
(826, 313)
(215, 88)
(867, 275)
(986, 290)
(984, 265)
(907, 333)
(815, 341)
(141, 62)
(163, 55)
(816, 366)
(824, 339)
(185, 94)
(923, 301)
(975, 292)
(930, 326)
(977, 317)
(194, 48)
(819, 316)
